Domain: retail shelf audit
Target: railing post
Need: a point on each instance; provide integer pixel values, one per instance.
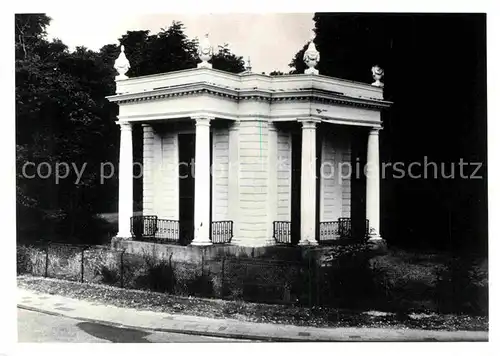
(81, 277)
(202, 261)
(223, 276)
(121, 268)
(310, 280)
(47, 260)
(172, 280)
(318, 280)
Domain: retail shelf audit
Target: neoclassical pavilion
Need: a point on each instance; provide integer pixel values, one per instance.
(249, 159)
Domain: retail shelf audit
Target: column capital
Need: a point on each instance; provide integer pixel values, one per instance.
(375, 130)
(309, 123)
(202, 119)
(124, 125)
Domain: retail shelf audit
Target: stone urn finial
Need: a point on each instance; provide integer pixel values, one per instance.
(311, 58)
(377, 74)
(205, 51)
(122, 65)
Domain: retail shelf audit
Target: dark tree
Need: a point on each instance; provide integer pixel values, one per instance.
(435, 69)
(63, 116)
(227, 61)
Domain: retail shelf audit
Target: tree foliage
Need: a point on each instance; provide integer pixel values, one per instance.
(63, 117)
(435, 68)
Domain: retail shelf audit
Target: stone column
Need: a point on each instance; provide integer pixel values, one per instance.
(125, 180)
(272, 184)
(233, 179)
(202, 182)
(308, 183)
(373, 184)
(148, 164)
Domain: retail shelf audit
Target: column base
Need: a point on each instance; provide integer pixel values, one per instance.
(201, 243)
(307, 243)
(123, 236)
(375, 237)
(377, 244)
(253, 242)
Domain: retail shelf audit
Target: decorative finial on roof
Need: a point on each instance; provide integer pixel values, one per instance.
(377, 74)
(311, 58)
(205, 51)
(248, 65)
(122, 65)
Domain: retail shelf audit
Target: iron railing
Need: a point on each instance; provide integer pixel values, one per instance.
(282, 232)
(340, 229)
(328, 230)
(345, 228)
(168, 230)
(144, 226)
(149, 227)
(222, 232)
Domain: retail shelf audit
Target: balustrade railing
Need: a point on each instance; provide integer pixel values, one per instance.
(345, 227)
(168, 230)
(335, 230)
(144, 226)
(282, 232)
(328, 231)
(149, 227)
(222, 232)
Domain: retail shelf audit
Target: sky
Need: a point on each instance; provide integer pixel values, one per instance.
(270, 39)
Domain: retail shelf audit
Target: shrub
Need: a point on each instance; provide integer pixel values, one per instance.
(404, 282)
(160, 277)
(102, 265)
(216, 281)
(150, 272)
(30, 259)
(184, 274)
(261, 280)
(201, 285)
(462, 287)
(23, 260)
(345, 278)
(64, 262)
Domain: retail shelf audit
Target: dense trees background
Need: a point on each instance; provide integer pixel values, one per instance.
(62, 115)
(435, 69)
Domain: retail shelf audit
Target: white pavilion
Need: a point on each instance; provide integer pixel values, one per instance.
(249, 159)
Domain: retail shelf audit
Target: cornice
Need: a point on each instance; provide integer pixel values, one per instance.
(196, 89)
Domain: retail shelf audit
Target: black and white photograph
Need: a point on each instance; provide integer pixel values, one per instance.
(251, 177)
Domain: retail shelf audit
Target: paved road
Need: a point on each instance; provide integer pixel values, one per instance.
(40, 327)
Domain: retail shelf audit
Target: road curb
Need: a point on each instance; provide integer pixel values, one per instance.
(177, 331)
